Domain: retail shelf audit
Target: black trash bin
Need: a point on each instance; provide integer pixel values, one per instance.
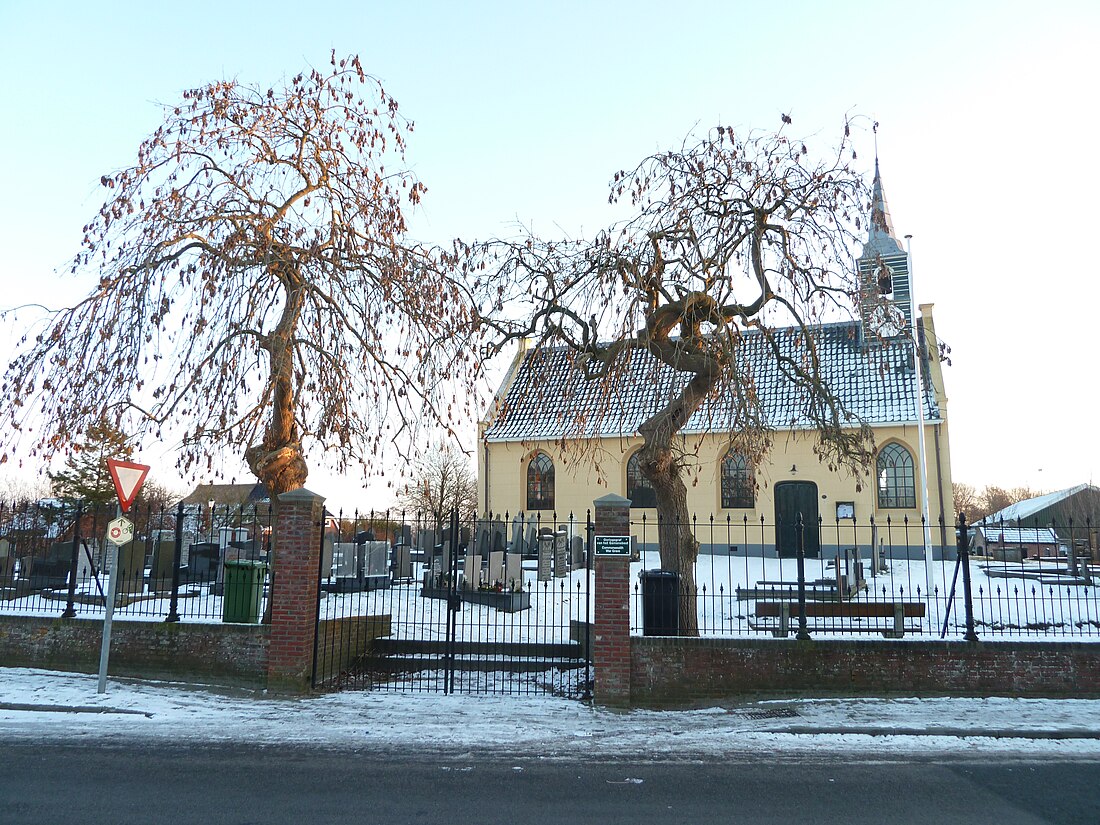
(660, 602)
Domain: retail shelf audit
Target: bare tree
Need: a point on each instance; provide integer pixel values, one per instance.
(442, 481)
(730, 236)
(967, 499)
(256, 290)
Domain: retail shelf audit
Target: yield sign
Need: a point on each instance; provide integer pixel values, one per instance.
(128, 478)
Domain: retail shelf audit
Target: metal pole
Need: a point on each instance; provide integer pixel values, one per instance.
(929, 577)
(962, 545)
(112, 590)
(803, 630)
(177, 555)
(70, 606)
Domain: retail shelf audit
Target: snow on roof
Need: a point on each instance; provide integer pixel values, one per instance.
(999, 534)
(1030, 506)
(551, 398)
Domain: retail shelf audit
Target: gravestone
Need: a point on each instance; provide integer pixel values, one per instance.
(561, 554)
(426, 543)
(546, 556)
(517, 535)
(405, 535)
(7, 564)
(328, 557)
(531, 538)
(202, 562)
(84, 569)
(471, 572)
(377, 559)
(160, 573)
(481, 544)
(131, 567)
(495, 572)
(402, 562)
(576, 554)
(496, 544)
(513, 571)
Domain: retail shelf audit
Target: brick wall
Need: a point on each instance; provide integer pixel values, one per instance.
(228, 654)
(673, 671)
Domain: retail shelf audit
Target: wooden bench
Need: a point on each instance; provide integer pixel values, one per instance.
(898, 611)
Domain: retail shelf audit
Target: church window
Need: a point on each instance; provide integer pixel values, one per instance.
(738, 487)
(540, 482)
(896, 482)
(638, 489)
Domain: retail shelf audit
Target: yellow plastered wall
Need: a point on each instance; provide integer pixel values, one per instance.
(587, 471)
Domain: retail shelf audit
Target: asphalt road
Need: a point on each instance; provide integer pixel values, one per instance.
(134, 783)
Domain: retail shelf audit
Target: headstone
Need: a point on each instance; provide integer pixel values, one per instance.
(481, 544)
(346, 560)
(7, 563)
(496, 544)
(495, 573)
(402, 562)
(84, 569)
(517, 534)
(561, 554)
(131, 567)
(513, 571)
(531, 538)
(404, 535)
(427, 542)
(202, 562)
(160, 574)
(471, 572)
(328, 553)
(576, 555)
(377, 558)
(50, 569)
(546, 557)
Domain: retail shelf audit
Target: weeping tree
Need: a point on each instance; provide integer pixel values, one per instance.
(730, 238)
(256, 291)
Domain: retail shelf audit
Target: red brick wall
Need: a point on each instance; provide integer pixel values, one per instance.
(671, 671)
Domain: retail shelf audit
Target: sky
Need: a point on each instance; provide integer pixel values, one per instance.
(43, 706)
(524, 111)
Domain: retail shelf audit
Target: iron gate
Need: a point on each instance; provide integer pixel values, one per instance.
(492, 605)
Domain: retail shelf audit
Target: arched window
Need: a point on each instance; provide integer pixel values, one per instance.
(540, 483)
(638, 489)
(896, 485)
(738, 488)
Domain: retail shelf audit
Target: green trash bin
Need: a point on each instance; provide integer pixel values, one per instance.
(244, 589)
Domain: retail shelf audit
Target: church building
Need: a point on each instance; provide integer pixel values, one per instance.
(527, 462)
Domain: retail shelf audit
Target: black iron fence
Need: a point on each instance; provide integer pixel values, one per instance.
(185, 563)
(495, 604)
(897, 578)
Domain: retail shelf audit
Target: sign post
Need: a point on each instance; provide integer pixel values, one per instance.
(128, 478)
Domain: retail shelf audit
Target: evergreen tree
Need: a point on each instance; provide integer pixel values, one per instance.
(85, 474)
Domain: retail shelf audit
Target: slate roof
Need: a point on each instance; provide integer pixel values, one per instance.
(550, 398)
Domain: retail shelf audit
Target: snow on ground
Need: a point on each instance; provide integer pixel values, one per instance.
(43, 705)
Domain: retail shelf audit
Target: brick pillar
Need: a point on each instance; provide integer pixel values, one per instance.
(297, 548)
(611, 646)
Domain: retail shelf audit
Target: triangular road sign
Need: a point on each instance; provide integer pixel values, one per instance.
(128, 478)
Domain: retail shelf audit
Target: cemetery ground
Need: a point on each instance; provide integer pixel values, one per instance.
(155, 752)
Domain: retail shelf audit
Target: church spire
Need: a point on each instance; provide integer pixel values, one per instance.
(883, 269)
(881, 240)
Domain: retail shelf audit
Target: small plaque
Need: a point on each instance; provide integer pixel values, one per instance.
(613, 545)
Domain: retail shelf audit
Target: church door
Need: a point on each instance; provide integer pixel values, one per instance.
(794, 499)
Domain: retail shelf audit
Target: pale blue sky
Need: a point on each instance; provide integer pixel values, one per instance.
(523, 111)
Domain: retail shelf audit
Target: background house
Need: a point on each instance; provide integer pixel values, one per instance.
(1014, 543)
(1073, 513)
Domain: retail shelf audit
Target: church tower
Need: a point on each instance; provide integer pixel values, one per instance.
(886, 301)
